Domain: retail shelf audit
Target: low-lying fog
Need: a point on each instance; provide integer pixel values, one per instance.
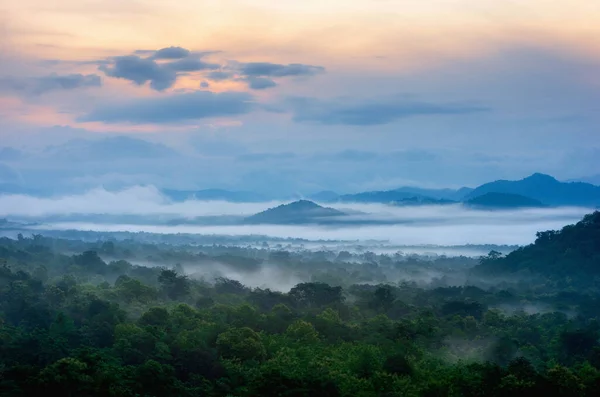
(417, 225)
(444, 233)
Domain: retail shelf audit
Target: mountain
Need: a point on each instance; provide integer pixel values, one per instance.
(214, 195)
(545, 189)
(593, 179)
(385, 197)
(572, 251)
(440, 194)
(502, 201)
(302, 211)
(405, 195)
(422, 200)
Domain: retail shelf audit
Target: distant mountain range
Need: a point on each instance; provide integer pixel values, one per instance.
(396, 195)
(302, 211)
(546, 189)
(387, 197)
(422, 200)
(593, 179)
(502, 201)
(535, 190)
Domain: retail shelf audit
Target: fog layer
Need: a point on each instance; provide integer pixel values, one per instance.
(406, 225)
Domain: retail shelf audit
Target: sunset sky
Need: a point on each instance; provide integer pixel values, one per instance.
(300, 96)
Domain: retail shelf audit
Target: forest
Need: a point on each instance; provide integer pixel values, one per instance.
(123, 317)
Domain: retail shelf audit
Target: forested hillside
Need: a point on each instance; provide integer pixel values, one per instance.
(573, 251)
(76, 319)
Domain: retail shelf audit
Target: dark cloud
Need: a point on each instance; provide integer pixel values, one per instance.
(162, 67)
(141, 70)
(67, 82)
(267, 69)
(161, 75)
(220, 75)
(260, 83)
(260, 75)
(191, 65)
(10, 84)
(171, 53)
(173, 108)
(53, 82)
(144, 52)
(369, 112)
(204, 84)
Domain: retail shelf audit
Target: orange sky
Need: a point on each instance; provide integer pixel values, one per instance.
(347, 37)
(325, 31)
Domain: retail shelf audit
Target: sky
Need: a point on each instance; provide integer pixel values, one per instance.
(297, 97)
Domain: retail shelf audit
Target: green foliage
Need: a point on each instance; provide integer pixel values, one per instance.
(241, 343)
(175, 286)
(573, 251)
(302, 332)
(77, 326)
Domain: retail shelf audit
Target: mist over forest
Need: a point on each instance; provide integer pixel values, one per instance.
(131, 292)
(145, 209)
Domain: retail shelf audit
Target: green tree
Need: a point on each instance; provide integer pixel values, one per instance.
(302, 331)
(242, 343)
(66, 377)
(174, 285)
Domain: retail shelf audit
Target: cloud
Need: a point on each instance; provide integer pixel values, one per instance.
(260, 75)
(204, 84)
(267, 69)
(162, 68)
(142, 66)
(220, 75)
(115, 147)
(141, 70)
(67, 82)
(174, 108)
(191, 65)
(260, 83)
(171, 53)
(52, 82)
(439, 225)
(160, 75)
(8, 174)
(369, 112)
(10, 154)
(135, 200)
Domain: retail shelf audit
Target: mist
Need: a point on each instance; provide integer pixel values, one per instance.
(145, 209)
(445, 234)
(136, 200)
